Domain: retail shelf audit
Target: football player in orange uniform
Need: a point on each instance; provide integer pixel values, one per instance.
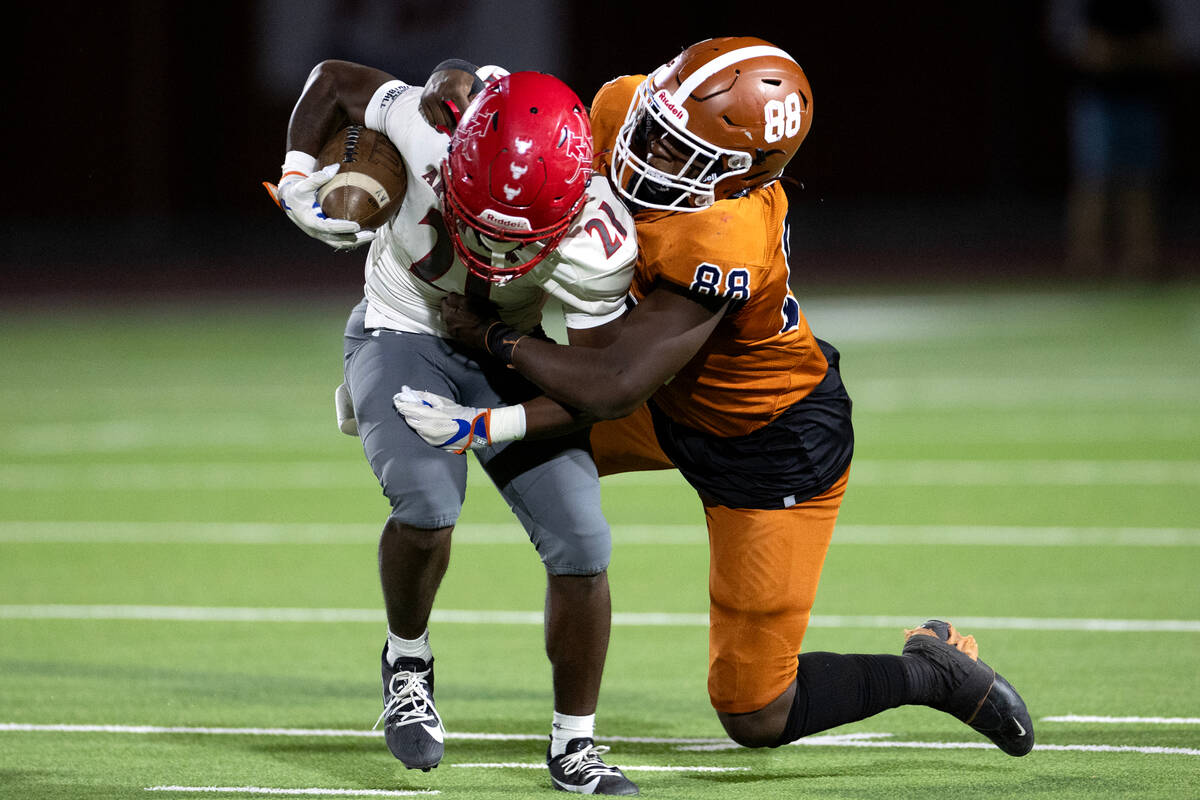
(715, 371)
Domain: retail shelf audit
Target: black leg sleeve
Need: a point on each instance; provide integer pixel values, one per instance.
(833, 689)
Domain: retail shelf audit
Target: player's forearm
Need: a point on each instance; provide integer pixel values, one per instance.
(595, 383)
(335, 95)
(545, 417)
(639, 353)
(649, 345)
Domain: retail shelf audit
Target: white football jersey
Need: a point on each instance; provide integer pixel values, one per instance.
(411, 264)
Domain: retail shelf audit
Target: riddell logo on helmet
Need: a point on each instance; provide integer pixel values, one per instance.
(675, 111)
(505, 221)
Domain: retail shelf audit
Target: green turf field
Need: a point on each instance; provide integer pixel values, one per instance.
(189, 606)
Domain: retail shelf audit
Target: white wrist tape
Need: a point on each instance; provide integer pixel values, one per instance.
(507, 424)
(298, 161)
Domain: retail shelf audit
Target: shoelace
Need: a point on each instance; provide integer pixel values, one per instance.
(408, 688)
(587, 762)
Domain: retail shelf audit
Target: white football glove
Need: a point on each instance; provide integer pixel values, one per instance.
(456, 429)
(296, 194)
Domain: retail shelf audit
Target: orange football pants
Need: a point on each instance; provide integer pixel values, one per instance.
(764, 566)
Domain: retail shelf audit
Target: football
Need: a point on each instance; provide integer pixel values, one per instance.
(370, 182)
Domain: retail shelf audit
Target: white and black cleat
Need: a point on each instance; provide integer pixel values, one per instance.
(581, 770)
(411, 724)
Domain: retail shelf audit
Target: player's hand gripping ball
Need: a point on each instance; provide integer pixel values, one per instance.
(370, 181)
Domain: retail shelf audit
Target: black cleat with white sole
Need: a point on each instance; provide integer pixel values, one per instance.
(581, 770)
(411, 725)
(973, 692)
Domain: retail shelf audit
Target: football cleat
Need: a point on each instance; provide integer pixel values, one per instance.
(411, 725)
(581, 770)
(974, 692)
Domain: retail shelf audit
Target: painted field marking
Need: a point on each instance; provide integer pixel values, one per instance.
(310, 791)
(1126, 720)
(881, 740)
(930, 392)
(625, 767)
(827, 740)
(1075, 748)
(630, 619)
(151, 730)
(284, 533)
(25, 727)
(1026, 472)
(343, 474)
(1136, 417)
(874, 740)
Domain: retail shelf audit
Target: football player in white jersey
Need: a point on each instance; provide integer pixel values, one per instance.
(507, 208)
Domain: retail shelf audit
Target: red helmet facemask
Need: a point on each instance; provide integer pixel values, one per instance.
(517, 174)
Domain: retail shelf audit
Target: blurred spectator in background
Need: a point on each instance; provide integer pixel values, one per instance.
(1121, 55)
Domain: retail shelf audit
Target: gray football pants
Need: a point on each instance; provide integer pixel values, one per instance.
(551, 485)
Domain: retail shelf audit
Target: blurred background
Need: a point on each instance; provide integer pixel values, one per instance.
(969, 142)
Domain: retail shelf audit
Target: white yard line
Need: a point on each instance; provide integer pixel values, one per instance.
(846, 740)
(625, 767)
(480, 617)
(321, 733)
(928, 392)
(1014, 535)
(309, 791)
(348, 474)
(1074, 748)
(1126, 720)
(1022, 623)
(816, 741)
(153, 730)
(41, 531)
(1040, 472)
(211, 475)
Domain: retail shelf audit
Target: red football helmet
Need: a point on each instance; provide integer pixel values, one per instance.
(724, 117)
(519, 164)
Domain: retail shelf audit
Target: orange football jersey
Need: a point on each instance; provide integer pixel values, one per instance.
(762, 357)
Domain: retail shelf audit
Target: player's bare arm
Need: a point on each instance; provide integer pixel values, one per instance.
(335, 95)
(606, 372)
(447, 92)
(641, 351)
(546, 417)
(451, 86)
(439, 419)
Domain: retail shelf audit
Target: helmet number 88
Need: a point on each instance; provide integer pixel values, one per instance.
(783, 117)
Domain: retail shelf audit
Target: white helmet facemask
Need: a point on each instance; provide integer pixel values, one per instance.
(657, 114)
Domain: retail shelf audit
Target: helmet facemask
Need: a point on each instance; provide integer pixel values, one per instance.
(493, 247)
(721, 119)
(516, 174)
(697, 166)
